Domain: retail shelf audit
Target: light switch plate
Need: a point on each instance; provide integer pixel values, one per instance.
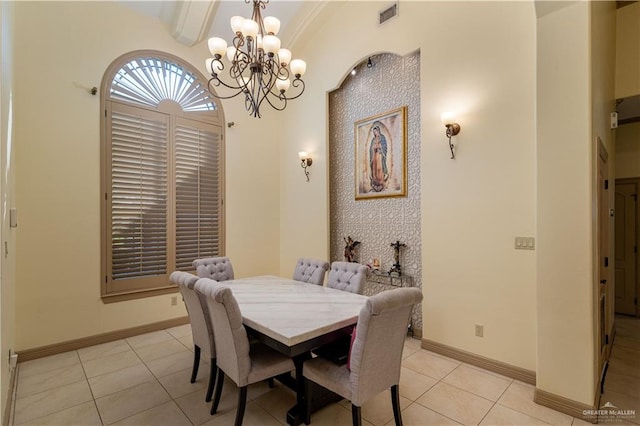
(525, 243)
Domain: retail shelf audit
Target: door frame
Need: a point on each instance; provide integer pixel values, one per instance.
(636, 181)
(603, 318)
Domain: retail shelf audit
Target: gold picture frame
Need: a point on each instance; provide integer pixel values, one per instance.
(381, 155)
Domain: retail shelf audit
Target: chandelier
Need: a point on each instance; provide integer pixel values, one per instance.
(258, 67)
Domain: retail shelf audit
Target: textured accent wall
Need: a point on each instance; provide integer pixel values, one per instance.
(393, 81)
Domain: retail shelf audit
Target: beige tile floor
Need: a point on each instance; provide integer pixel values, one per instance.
(144, 380)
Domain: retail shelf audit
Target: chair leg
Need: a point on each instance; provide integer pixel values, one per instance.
(213, 371)
(395, 401)
(196, 363)
(242, 403)
(356, 415)
(216, 397)
(307, 399)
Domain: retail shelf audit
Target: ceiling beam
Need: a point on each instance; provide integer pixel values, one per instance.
(192, 20)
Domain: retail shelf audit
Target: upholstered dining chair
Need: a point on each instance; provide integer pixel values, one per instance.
(216, 268)
(201, 329)
(242, 361)
(376, 354)
(310, 270)
(347, 276)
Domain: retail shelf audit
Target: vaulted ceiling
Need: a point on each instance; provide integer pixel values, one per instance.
(191, 21)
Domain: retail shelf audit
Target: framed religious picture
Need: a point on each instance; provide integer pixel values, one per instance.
(381, 155)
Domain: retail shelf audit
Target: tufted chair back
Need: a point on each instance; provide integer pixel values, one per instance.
(198, 312)
(201, 327)
(310, 271)
(347, 276)
(244, 362)
(233, 354)
(215, 268)
(376, 354)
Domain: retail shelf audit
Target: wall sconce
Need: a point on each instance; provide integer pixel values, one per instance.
(305, 161)
(453, 128)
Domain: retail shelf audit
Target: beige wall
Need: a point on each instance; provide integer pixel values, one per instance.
(627, 161)
(603, 43)
(565, 339)
(628, 151)
(473, 206)
(57, 137)
(253, 179)
(628, 51)
(7, 262)
(572, 110)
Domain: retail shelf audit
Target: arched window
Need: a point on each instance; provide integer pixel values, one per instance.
(162, 173)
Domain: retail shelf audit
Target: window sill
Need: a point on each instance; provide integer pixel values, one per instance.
(139, 294)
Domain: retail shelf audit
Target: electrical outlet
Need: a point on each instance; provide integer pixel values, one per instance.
(174, 300)
(479, 330)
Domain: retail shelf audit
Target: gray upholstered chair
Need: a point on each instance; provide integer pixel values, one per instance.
(216, 268)
(242, 361)
(376, 354)
(310, 270)
(347, 276)
(201, 328)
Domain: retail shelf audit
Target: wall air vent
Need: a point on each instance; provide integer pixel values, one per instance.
(388, 13)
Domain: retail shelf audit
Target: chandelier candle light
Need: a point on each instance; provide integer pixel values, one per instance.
(258, 67)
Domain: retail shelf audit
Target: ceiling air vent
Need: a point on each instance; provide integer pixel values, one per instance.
(388, 13)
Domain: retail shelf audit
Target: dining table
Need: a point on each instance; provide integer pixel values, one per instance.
(295, 318)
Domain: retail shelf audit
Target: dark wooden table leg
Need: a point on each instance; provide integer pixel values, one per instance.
(297, 414)
(318, 396)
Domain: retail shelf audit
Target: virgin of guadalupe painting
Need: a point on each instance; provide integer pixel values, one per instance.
(380, 157)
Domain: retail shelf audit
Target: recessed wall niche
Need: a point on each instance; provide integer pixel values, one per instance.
(384, 83)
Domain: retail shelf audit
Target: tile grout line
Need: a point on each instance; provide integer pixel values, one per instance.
(93, 397)
(156, 379)
(496, 402)
(434, 385)
(166, 390)
(49, 390)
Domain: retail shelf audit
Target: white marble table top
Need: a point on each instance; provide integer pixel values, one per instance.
(292, 312)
